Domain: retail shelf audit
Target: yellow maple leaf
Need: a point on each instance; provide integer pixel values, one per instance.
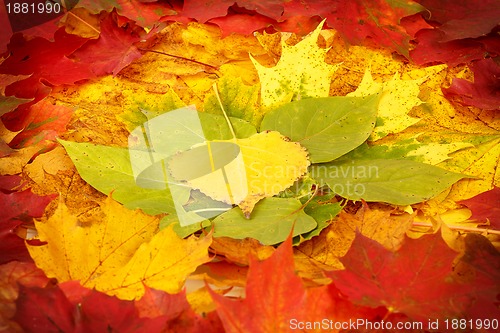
(242, 171)
(398, 98)
(117, 255)
(301, 72)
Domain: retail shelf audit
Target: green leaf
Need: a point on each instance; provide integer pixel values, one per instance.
(181, 231)
(301, 72)
(140, 107)
(398, 182)
(323, 210)
(271, 222)
(327, 127)
(108, 170)
(238, 100)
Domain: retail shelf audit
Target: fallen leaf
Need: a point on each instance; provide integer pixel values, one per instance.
(241, 171)
(238, 100)
(271, 222)
(327, 127)
(414, 280)
(398, 181)
(272, 300)
(398, 97)
(485, 206)
(483, 92)
(379, 20)
(113, 50)
(18, 208)
(146, 14)
(239, 251)
(12, 275)
(310, 78)
(130, 256)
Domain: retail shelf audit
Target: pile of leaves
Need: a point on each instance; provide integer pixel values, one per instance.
(366, 134)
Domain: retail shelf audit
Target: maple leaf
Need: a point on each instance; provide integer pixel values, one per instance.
(113, 50)
(485, 206)
(483, 92)
(18, 208)
(379, 20)
(310, 76)
(415, 280)
(116, 257)
(12, 275)
(397, 99)
(269, 163)
(431, 49)
(272, 300)
(144, 13)
(51, 309)
(205, 11)
(9, 103)
(45, 61)
(464, 19)
(42, 121)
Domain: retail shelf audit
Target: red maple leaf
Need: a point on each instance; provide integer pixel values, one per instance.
(275, 296)
(42, 121)
(113, 50)
(483, 93)
(46, 62)
(463, 19)
(431, 49)
(144, 13)
(206, 10)
(18, 208)
(379, 20)
(416, 280)
(485, 206)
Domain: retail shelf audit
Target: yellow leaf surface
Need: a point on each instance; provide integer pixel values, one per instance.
(398, 98)
(118, 254)
(301, 70)
(245, 172)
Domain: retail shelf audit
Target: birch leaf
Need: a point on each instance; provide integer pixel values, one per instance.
(241, 171)
(301, 72)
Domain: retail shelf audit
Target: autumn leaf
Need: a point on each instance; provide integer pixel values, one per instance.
(13, 275)
(397, 99)
(485, 206)
(403, 281)
(272, 299)
(327, 127)
(145, 13)
(379, 20)
(268, 165)
(18, 208)
(270, 223)
(132, 254)
(113, 50)
(483, 93)
(311, 77)
(9, 103)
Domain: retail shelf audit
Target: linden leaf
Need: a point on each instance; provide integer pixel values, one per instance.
(399, 182)
(271, 223)
(327, 127)
(398, 98)
(117, 255)
(241, 171)
(301, 71)
(108, 169)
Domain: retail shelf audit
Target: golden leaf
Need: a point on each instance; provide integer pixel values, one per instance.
(242, 171)
(117, 255)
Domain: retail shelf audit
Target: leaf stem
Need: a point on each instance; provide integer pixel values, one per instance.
(224, 111)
